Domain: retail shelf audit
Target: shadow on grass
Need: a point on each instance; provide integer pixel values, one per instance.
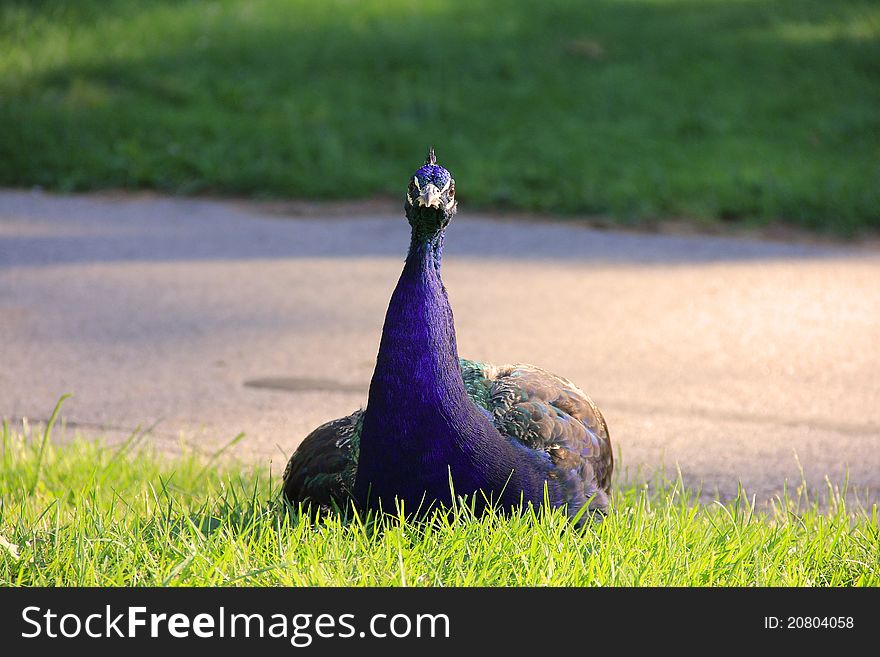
(740, 110)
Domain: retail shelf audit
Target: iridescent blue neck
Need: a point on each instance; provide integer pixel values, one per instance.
(417, 363)
(418, 411)
(422, 434)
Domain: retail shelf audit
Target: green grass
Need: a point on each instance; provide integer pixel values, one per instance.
(86, 514)
(743, 110)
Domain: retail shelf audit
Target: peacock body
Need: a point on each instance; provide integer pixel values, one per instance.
(437, 425)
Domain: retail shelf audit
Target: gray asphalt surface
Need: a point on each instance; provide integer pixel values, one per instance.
(728, 358)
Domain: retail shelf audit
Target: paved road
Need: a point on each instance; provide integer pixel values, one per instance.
(724, 356)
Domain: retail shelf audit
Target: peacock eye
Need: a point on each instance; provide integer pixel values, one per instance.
(452, 189)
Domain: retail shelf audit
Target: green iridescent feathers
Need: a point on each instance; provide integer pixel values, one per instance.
(321, 472)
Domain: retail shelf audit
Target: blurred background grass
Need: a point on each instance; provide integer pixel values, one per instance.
(740, 110)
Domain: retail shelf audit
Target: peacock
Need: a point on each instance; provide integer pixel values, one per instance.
(437, 427)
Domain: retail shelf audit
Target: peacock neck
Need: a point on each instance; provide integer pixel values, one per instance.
(420, 428)
(418, 410)
(418, 356)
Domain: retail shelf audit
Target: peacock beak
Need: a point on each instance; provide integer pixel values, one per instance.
(430, 196)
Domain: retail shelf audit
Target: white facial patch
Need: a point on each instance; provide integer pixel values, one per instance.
(430, 196)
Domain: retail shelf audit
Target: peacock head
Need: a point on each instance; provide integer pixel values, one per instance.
(430, 199)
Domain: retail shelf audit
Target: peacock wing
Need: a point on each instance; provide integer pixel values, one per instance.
(549, 414)
(321, 471)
